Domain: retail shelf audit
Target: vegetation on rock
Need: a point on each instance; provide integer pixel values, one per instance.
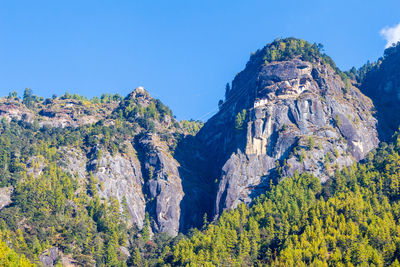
(289, 48)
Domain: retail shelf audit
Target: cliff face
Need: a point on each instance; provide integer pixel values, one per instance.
(283, 117)
(120, 176)
(164, 184)
(382, 85)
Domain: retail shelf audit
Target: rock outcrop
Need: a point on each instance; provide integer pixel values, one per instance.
(56, 112)
(14, 109)
(283, 117)
(49, 256)
(5, 196)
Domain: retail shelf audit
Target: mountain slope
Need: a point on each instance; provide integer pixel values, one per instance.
(80, 174)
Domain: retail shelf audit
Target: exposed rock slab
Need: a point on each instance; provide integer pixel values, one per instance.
(5, 196)
(163, 183)
(120, 177)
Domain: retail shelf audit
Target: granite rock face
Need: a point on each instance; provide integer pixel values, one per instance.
(145, 177)
(163, 183)
(143, 180)
(296, 116)
(49, 256)
(119, 176)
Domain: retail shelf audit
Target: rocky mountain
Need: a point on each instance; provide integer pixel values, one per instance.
(291, 110)
(135, 165)
(281, 116)
(295, 114)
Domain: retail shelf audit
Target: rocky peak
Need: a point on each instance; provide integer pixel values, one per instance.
(140, 96)
(289, 110)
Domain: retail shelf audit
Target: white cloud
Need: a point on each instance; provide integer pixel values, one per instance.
(391, 34)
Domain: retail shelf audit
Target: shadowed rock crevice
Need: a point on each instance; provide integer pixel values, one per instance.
(198, 188)
(382, 85)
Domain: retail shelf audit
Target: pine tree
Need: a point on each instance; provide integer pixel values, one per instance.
(227, 90)
(28, 98)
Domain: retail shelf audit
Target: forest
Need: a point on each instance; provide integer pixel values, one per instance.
(353, 219)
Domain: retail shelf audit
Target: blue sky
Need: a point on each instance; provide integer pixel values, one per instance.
(181, 51)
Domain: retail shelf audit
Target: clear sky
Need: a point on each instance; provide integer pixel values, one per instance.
(182, 51)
